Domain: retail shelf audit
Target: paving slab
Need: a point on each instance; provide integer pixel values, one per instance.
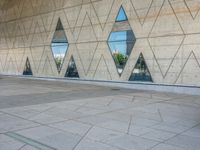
(68, 116)
(7, 143)
(12, 123)
(166, 147)
(72, 126)
(52, 137)
(185, 142)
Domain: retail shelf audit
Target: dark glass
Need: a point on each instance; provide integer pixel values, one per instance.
(141, 71)
(72, 71)
(27, 68)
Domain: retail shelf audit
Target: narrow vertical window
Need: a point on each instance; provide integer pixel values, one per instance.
(59, 45)
(121, 40)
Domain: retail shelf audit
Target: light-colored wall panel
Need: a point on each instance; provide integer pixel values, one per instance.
(167, 33)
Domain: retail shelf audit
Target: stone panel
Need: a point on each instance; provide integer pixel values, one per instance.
(167, 33)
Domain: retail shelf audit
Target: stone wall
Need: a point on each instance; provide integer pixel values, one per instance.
(167, 33)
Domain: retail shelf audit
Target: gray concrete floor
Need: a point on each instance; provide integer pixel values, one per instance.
(51, 115)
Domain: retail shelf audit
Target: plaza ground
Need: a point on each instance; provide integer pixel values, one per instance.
(51, 115)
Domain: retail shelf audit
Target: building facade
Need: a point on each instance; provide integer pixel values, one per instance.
(121, 40)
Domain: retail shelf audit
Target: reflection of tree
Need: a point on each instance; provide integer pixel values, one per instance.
(72, 66)
(141, 72)
(58, 62)
(72, 70)
(120, 59)
(27, 69)
(141, 64)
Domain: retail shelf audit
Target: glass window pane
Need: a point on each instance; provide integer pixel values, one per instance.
(121, 15)
(141, 71)
(27, 68)
(72, 71)
(118, 36)
(59, 45)
(121, 44)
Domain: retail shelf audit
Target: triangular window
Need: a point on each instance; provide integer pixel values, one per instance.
(121, 15)
(27, 68)
(72, 71)
(141, 71)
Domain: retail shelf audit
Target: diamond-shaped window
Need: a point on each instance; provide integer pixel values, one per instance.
(59, 45)
(121, 40)
(141, 71)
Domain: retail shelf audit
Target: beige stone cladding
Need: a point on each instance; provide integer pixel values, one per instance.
(167, 33)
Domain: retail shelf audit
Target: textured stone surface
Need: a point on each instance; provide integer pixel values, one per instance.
(167, 33)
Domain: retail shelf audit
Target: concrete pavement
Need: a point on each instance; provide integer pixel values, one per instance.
(51, 115)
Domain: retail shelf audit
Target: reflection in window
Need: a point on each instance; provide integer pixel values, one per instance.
(72, 71)
(27, 68)
(121, 15)
(141, 71)
(121, 40)
(59, 45)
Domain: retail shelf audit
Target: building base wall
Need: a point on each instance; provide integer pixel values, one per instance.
(117, 85)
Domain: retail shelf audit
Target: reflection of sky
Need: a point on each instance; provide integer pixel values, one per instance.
(117, 41)
(121, 15)
(59, 48)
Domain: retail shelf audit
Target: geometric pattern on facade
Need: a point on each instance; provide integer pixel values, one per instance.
(167, 31)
